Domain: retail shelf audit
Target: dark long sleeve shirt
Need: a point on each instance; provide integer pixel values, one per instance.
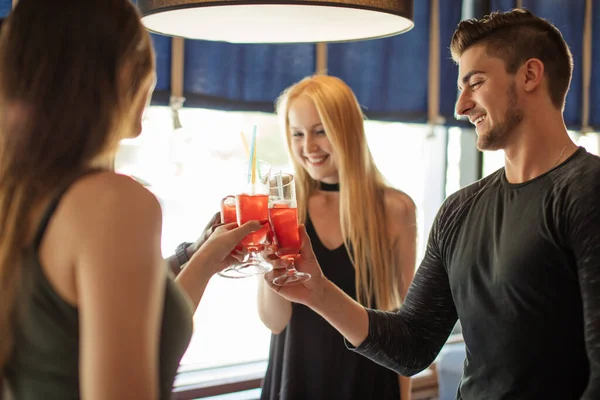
(519, 265)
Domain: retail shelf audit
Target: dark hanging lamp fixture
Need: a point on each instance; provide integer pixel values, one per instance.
(284, 21)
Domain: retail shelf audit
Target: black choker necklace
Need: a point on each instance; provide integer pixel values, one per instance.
(329, 187)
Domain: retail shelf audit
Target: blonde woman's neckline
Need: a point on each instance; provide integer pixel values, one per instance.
(329, 187)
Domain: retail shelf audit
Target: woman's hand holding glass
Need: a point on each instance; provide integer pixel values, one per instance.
(218, 250)
(306, 292)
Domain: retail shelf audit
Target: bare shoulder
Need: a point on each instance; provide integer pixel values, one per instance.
(399, 207)
(104, 220)
(111, 189)
(110, 199)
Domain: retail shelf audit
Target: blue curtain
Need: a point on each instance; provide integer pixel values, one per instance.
(162, 47)
(389, 76)
(242, 77)
(5, 7)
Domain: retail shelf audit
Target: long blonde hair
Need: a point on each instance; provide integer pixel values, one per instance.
(362, 209)
(71, 73)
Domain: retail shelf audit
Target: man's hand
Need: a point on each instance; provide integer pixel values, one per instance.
(210, 227)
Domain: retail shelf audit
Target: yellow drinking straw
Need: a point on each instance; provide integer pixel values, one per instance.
(254, 155)
(245, 142)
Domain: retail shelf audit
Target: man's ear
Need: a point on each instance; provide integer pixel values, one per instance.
(532, 74)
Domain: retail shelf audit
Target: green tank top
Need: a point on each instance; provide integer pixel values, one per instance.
(45, 359)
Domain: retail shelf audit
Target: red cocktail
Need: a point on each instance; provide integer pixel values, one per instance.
(284, 221)
(229, 215)
(249, 208)
(283, 215)
(228, 211)
(252, 204)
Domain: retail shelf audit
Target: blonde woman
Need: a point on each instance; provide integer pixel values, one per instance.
(364, 235)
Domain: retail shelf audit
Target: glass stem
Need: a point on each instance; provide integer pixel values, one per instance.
(291, 268)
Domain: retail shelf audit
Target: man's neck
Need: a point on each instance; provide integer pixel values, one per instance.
(538, 146)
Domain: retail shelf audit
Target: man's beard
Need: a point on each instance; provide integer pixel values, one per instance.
(498, 135)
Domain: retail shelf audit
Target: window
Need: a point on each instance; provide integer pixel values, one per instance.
(453, 159)
(591, 141)
(494, 160)
(192, 168)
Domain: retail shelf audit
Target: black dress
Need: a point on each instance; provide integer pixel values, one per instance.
(309, 360)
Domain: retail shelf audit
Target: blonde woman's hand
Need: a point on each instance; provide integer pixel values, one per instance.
(306, 292)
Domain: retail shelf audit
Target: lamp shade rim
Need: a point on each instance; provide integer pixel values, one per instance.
(401, 8)
(295, 21)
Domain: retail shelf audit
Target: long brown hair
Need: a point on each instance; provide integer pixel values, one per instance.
(362, 211)
(71, 72)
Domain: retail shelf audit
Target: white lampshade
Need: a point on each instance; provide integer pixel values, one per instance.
(296, 21)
